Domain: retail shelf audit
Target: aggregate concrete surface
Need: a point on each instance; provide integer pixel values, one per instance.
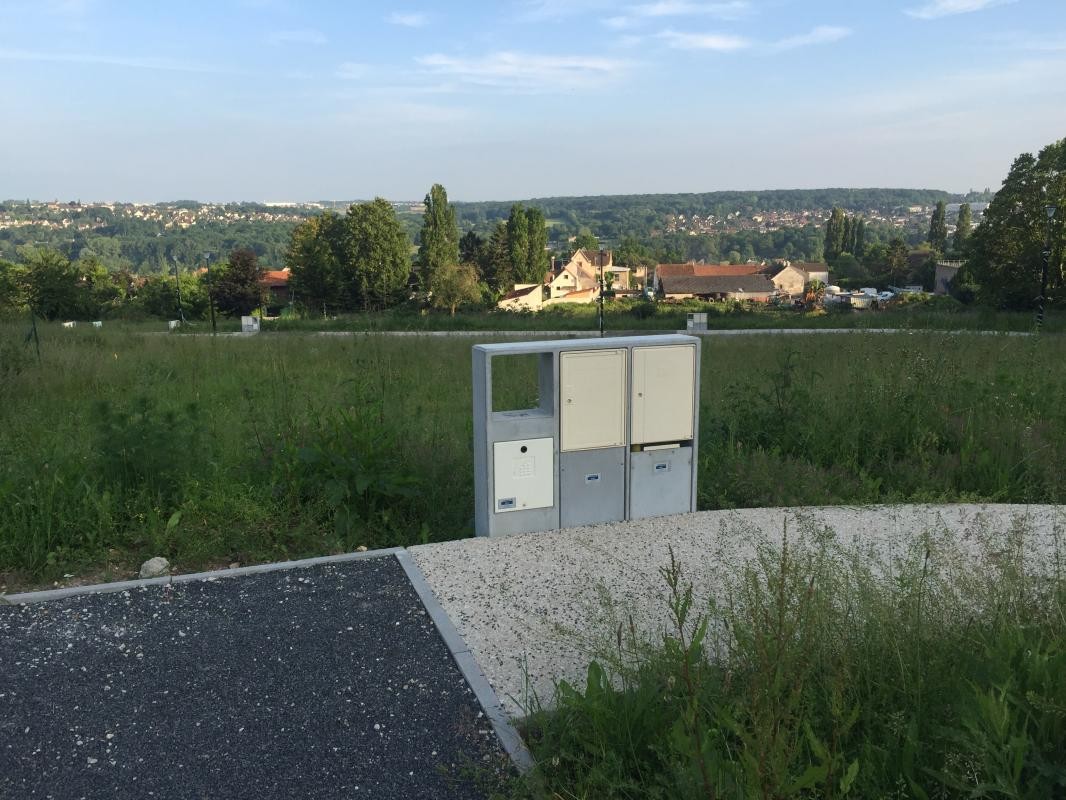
(535, 608)
(325, 682)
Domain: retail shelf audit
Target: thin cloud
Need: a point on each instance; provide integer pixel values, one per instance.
(543, 10)
(717, 42)
(681, 8)
(729, 43)
(163, 64)
(305, 36)
(823, 34)
(526, 71)
(935, 9)
(634, 15)
(407, 19)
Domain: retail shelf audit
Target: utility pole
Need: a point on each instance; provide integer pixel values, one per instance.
(1049, 210)
(210, 294)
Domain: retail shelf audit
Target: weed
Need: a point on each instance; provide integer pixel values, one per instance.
(828, 676)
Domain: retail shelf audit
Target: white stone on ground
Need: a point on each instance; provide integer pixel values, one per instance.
(155, 567)
(540, 606)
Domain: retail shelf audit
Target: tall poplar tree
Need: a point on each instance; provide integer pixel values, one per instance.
(846, 239)
(859, 247)
(834, 234)
(440, 237)
(537, 231)
(518, 242)
(963, 228)
(938, 228)
(497, 272)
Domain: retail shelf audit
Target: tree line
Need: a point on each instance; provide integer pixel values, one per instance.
(362, 260)
(365, 259)
(54, 287)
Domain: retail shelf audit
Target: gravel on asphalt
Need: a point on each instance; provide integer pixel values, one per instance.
(324, 682)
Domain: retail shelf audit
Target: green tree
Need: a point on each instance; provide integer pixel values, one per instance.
(518, 242)
(378, 254)
(963, 228)
(12, 287)
(847, 240)
(236, 288)
(834, 234)
(537, 231)
(896, 265)
(157, 296)
(53, 286)
(314, 255)
(1005, 252)
(859, 245)
(938, 228)
(455, 285)
(585, 240)
(472, 250)
(439, 238)
(498, 272)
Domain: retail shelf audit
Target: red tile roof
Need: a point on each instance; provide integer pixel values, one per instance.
(707, 270)
(274, 277)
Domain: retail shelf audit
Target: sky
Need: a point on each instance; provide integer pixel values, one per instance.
(302, 100)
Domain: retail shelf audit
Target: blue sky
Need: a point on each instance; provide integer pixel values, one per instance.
(290, 100)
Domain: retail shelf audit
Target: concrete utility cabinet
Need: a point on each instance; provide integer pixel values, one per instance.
(612, 436)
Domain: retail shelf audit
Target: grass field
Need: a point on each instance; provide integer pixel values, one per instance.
(630, 315)
(827, 672)
(121, 445)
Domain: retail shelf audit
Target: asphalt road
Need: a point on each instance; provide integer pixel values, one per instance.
(323, 682)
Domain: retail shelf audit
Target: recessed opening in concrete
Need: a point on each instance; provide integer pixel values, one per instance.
(516, 382)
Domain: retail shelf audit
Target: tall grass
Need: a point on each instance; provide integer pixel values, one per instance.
(623, 315)
(120, 445)
(822, 674)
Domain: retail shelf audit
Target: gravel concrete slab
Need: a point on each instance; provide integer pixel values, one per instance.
(537, 607)
(330, 681)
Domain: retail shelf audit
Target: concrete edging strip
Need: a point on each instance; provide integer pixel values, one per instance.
(122, 586)
(464, 659)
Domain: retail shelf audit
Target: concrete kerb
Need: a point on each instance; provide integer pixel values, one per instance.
(122, 586)
(464, 660)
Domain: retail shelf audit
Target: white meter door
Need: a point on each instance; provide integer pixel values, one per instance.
(523, 474)
(592, 399)
(664, 389)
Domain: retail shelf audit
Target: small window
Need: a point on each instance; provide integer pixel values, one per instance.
(516, 382)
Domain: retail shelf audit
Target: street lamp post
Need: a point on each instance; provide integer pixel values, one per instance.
(210, 293)
(1049, 210)
(598, 258)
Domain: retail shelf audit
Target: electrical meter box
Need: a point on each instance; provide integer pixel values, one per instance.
(606, 431)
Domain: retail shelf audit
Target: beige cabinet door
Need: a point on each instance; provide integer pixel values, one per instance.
(664, 388)
(592, 399)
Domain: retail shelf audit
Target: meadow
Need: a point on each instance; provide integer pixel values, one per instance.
(825, 671)
(625, 315)
(120, 444)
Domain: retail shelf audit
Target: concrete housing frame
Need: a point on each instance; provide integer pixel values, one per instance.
(544, 421)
